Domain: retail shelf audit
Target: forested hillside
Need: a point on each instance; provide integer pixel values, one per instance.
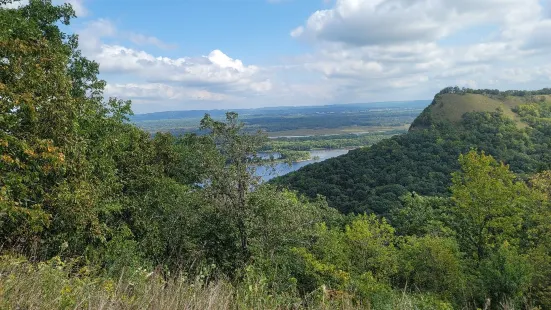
(96, 213)
(512, 126)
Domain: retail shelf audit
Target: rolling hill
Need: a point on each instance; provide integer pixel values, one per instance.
(290, 110)
(452, 107)
(513, 126)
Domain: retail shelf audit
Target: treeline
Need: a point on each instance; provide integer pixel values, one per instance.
(327, 142)
(391, 117)
(386, 118)
(294, 156)
(96, 213)
(494, 92)
(283, 155)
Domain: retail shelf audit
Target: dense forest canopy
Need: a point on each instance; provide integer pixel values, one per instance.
(97, 213)
(373, 179)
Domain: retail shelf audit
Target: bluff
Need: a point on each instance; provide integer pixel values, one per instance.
(513, 126)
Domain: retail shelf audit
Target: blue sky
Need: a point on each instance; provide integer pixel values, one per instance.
(257, 30)
(199, 54)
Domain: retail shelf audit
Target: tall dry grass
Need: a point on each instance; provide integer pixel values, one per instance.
(56, 285)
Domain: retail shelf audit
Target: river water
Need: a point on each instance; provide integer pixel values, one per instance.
(269, 172)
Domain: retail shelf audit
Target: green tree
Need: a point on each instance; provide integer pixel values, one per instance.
(538, 239)
(420, 216)
(489, 204)
(231, 174)
(361, 258)
(38, 125)
(59, 186)
(432, 264)
(506, 276)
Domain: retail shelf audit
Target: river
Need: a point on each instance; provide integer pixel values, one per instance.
(269, 172)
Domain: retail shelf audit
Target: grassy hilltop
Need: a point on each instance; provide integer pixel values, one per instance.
(451, 107)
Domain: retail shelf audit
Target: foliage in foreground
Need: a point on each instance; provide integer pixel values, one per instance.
(53, 285)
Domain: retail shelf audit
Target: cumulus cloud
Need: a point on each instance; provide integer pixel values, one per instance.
(539, 36)
(372, 47)
(216, 70)
(380, 22)
(97, 30)
(361, 50)
(158, 91)
(350, 69)
(214, 77)
(14, 4)
(90, 38)
(148, 97)
(467, 83)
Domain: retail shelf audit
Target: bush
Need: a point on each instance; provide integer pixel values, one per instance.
(506, 276)
(431, 264)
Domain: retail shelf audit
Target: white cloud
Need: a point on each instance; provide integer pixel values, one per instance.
(150, 78)
(519, 75)
(101, 28)
(214, 70)
(297, 32)
(539, 36)
(409, 81)
(263, 86)
(362, 50)
(140, 39)
(486, 52)
(158, 91)
(347, 68)
(382, 22)
(467, 83)
(462, 71)
(405, 39)
(14, 4)
(90, 37)
(148, 97)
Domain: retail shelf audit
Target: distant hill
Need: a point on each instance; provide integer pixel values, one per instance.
(170, 115)
(450, 107)
(513, 126)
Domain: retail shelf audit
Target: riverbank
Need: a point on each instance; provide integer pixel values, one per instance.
(273, 170)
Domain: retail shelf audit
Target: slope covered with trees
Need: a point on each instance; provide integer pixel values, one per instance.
(511, 126)
(97, 214)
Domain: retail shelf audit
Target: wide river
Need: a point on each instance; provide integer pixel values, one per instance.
(269, 172)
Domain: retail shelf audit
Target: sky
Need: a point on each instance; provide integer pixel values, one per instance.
(224, 54)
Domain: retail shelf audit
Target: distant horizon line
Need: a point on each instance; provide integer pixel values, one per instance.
(280, 107)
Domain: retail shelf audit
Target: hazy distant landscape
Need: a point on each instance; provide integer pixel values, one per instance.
(297, 121)
(301, 135)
